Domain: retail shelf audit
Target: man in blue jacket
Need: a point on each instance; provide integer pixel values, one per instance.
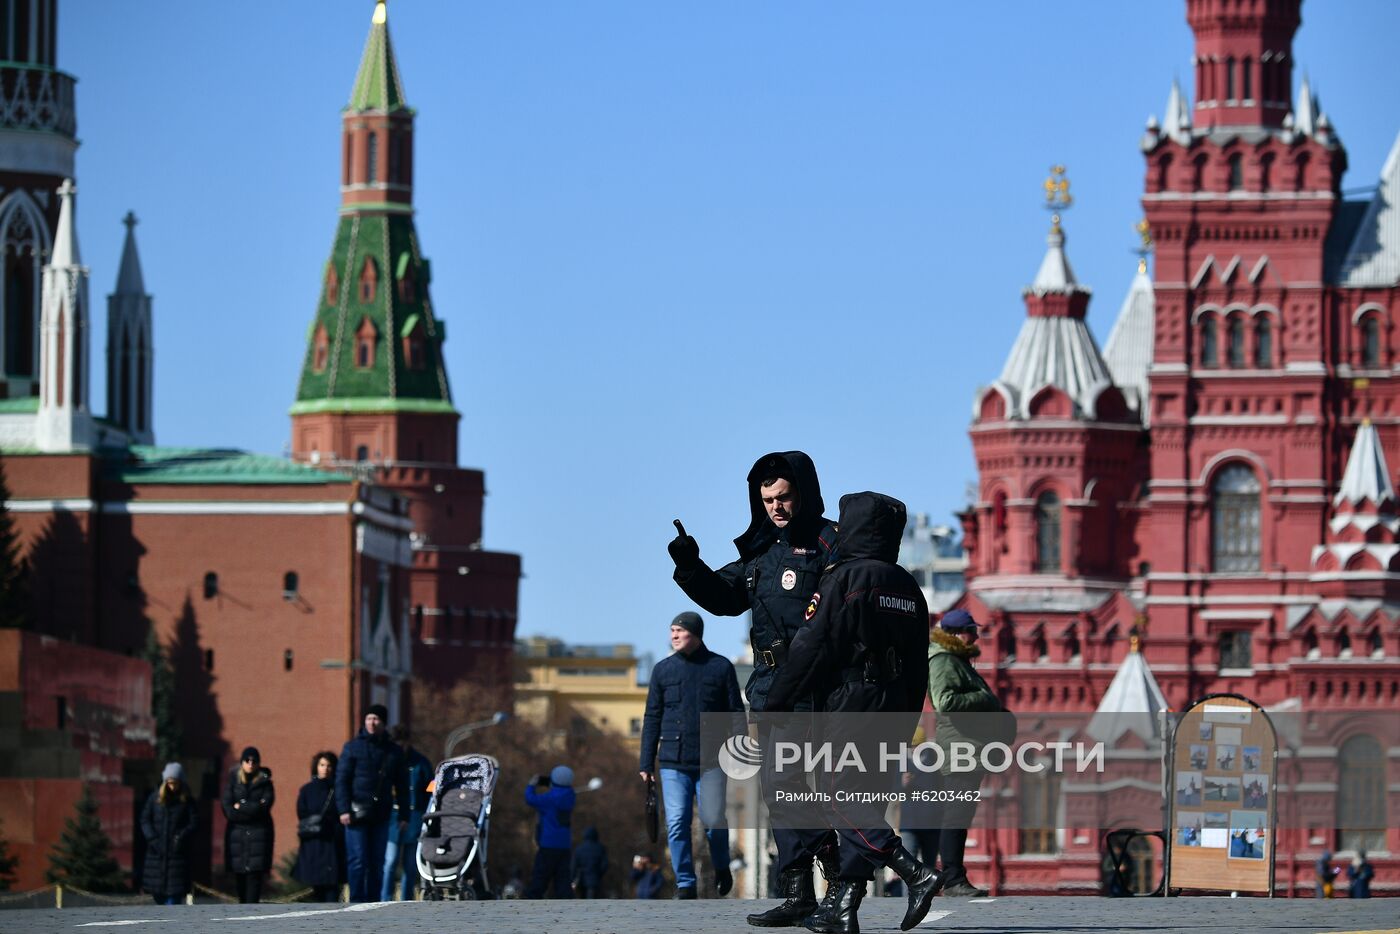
(368, 779)
(691, 682)
(553, 796)
(402, 851)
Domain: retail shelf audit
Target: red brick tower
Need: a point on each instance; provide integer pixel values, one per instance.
(374, 389)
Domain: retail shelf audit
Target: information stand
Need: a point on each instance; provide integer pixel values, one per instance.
(1222, 797)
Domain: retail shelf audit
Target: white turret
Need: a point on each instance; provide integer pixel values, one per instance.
(65, 421)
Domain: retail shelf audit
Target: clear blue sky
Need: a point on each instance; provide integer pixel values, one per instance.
(666, 238)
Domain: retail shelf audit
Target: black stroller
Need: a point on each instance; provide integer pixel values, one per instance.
(452, 847)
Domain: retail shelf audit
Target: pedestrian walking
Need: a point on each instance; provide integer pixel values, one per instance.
(168, 821)
(248, 838)
(1359, 875)
(321, 856)
(590, 865)
(691, 682)
(781, 556)
(401, 853)
(368, 780)
(552, 796)
(863, 653)
(954, 689)
(1326, 874)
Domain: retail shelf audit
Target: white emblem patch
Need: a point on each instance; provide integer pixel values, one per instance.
(789, 578)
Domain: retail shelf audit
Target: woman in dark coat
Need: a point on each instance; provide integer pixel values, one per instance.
(248, 799)
(321, 859)
(167, 822)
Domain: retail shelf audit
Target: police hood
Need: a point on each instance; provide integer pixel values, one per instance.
(872, 525)
(804, 527)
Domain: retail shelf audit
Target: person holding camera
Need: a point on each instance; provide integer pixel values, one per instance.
(371, 776)
(552, 796)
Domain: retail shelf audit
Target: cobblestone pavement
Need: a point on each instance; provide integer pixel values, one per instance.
(979, 916)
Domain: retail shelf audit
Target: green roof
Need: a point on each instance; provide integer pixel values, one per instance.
(384, 248)
(27, 405)
(146, 464)
(377, 84)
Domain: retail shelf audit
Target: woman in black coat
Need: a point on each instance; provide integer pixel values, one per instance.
(167, 822)
(248, 799)
(321, 859)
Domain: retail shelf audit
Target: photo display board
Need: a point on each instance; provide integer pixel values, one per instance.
(1224, 766)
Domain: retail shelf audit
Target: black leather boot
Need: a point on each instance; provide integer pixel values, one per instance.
(837, 914)
(800, 900)
(829, 859)
(921, 882)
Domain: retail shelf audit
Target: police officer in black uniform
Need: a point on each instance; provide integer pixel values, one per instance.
(862, 652)
(781, 557)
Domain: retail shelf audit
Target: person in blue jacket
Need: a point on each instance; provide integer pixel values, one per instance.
(369, 779)
(401, 853)
(691, 682)
(553, 796)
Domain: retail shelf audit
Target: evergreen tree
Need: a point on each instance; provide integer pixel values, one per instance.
(8, 864)
(169, 737)
(14, 571)
(82, 858)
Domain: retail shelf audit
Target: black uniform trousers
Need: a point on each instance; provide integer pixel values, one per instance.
(798, 827)
(860, 796)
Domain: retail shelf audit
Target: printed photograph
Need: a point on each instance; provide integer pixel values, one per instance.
(1189, 835)
(1207, 730)
(1227, 758)
(1228, 735)
(1256, 791)
(1248, 835)
(1218, 820)
(1220, 788)
(1200, 756)
(1188, 789)
(1252, 757)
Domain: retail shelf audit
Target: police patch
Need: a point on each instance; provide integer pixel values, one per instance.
(896, 603)
(789, 578)
(812, 606)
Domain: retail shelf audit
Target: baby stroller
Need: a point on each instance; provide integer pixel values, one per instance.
(452, 847)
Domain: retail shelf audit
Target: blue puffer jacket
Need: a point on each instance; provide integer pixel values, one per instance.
(371, 770)
(556, 807)
(682, 688)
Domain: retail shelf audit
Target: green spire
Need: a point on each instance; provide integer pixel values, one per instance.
(377, 85)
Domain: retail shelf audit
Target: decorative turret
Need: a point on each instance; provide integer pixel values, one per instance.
(1244, 61)
(64, 422)
(130, 347)
(1128, 351)
(373, 385)
(1362, 531)
(1133, 703)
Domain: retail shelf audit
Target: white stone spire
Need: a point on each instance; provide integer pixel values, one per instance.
(1133, 702)
(1128, 351)
(1054, 275)
(1177, 119)
(1367, 476)
(130, 352)
(1373, 259)
(1305, 113)
(64, 422)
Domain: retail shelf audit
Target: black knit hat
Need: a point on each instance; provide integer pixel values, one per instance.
(251, 752)
(379, 710)
(690, 622)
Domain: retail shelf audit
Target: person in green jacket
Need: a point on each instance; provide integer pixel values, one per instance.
(954, 688)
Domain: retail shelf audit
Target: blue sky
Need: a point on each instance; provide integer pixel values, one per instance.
(666, 238)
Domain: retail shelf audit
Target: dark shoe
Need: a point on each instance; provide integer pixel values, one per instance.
(724, 881)
(964, 889)
(800, 900)
(829, 859)
(685, 894)
(922, 882)
(837, 914)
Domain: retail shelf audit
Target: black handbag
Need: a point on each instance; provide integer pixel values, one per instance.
(652, 818)
(311, 826)
(363, 811)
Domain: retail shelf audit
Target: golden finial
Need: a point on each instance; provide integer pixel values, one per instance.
(1057, 196)
(1144, 232)
(1134, 643)
(381, 13)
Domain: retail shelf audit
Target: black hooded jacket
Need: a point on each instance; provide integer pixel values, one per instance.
(864, 645)
(777, 572)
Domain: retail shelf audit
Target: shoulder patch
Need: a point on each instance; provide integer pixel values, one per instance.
(812, 605)
(896, 603)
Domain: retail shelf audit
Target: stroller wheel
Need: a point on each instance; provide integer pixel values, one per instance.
(466, 892)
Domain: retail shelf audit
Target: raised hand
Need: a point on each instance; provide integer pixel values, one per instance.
(685, 551)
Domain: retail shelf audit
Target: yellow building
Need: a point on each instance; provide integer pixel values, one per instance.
(570, 688)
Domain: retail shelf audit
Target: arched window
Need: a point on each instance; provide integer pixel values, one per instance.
(1236, 164)
(1230, 78)
(1047, 533)
(1235, 520)
(211, 585)
(1344, 644)
(124, 388)
(1266, 171)
(1370, 341)
(1310, 646)
(372, 157)
(369, 280)
(1210, 354)
(1234, 331)
(1361, 795)
(290, 585)
(349, 159)
(1374, 643)
(1040, 808)
(362, 453)
(394, 156)
(321, 348)
(1264, 343)
(366, 341)
(1247, 79)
